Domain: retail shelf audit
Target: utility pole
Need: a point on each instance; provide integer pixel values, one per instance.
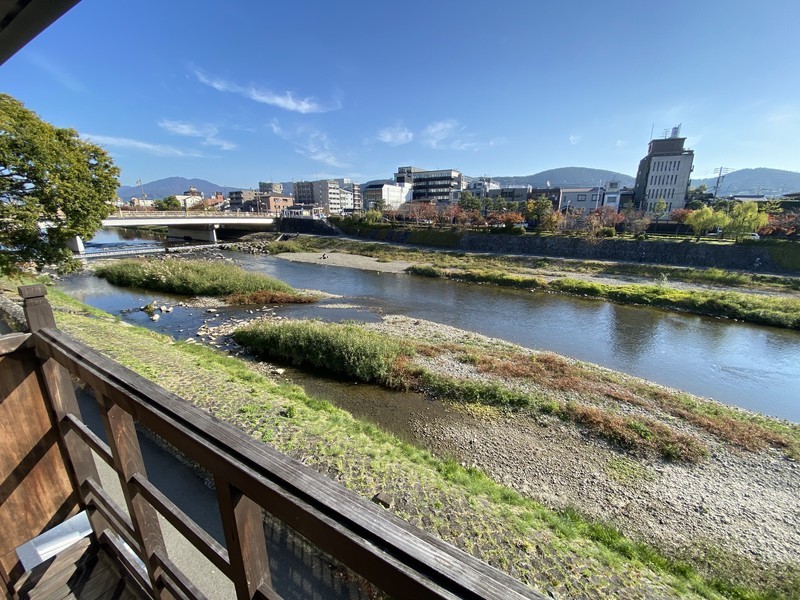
(721, 172)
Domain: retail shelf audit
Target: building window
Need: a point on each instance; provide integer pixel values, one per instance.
(594, 197)
(581, 197)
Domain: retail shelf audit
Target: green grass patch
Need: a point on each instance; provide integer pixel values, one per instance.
(200, 278)
(346, 349)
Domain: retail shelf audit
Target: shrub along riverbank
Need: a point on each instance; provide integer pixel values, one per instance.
(571, 390)
(201, 278)
(528, 273)
(754, 308)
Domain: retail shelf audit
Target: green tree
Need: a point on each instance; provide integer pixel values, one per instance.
(53, 186)
(745, 218)
(168, 203)
(469, 202)
(698, 194)
(703, 219)
(538, 211)
(659, 209)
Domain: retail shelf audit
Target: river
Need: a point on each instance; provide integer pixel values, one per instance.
(740, 364)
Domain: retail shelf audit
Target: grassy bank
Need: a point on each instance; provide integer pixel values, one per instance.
(592, 399)
(201, 278)
(754, 308)
(562, 550)
(538, 265)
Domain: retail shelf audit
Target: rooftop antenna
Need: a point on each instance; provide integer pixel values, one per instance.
(652, 127)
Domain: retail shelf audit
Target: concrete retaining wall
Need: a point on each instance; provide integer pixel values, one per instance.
(688, 253)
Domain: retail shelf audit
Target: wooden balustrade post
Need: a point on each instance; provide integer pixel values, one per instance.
(243, 523)
(128, 461)
(62, 400)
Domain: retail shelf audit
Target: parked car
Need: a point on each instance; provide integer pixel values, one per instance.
(752, 236)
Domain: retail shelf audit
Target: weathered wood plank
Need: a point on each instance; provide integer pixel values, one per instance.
(243, 524)
(119, 522)
(35, 489)
(396, 556)
(89, 438)
(12, 342)
(206, 544)
(128, 461)
(173, 579)
(112, 543)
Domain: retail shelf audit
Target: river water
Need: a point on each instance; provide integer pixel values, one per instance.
(749, 366)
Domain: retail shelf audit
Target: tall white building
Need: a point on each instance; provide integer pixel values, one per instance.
(392, 195)
(664, 173)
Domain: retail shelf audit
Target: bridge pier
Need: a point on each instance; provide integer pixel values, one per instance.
(76, 245)
(205, 234)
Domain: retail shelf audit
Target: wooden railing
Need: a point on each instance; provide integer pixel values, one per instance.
(250, 479)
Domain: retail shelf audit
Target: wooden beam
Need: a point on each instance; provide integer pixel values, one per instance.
(128, 462)
(243, 523)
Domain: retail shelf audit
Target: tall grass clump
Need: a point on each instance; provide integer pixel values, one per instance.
(199, 278)
(339, 348)
(425, 271)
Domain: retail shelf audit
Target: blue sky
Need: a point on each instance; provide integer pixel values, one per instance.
(251, 91)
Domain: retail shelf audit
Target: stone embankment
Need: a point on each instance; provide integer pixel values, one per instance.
(740, 257)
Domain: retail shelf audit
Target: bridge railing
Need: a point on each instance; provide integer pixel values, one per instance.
(250, 479)
(160, 214)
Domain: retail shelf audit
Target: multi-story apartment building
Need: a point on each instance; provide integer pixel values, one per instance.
(270, 188)
(442, 186)
(664, 173)
(392, 195)
(326, 193)
(239, 198)
(482, 186)
(355, 189)
(512, 194)
(303, 192)
(584, 199)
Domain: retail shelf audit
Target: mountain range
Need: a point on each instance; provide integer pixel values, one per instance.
(171, 186)
(770, 182)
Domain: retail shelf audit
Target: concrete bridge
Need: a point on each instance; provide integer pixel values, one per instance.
(200, 227)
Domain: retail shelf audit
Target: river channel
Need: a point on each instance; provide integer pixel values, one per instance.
(740, 364)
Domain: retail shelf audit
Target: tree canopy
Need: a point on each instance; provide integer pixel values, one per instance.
(745, 218)
(706, 218)
(53, 186)
(168, 203)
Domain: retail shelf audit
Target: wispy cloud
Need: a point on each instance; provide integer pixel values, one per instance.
(285, 100)
(621, 144)
(395, 136)
(437, 132)
(311, 143)
(446, 134)
(208, 133)
(57, 72)
(574, 139)
(146, 147)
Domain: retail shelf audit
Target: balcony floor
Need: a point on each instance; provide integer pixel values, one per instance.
(82, 571)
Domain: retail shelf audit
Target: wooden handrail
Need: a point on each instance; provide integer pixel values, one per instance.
(250, 478)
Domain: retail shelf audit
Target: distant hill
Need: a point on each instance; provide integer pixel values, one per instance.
(567, 177)
(171, 186)
(770, 182)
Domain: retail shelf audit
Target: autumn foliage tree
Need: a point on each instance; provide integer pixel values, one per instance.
(53, 186)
